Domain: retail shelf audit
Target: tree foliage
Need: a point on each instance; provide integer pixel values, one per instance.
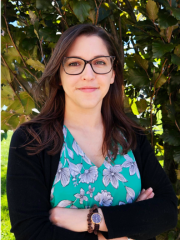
(147, 37)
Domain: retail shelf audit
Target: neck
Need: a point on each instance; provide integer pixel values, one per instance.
(88, 119)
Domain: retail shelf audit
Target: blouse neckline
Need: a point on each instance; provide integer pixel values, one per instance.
(84, 152)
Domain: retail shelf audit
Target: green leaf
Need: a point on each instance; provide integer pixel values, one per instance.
(28, 43)
(5, 75)
(138, 78)
(171, 136)
(177, 50)
(13, 121)
(171, 111)
(81, 10)
(3, 135)
(5, 116)
(36, 64)
(141, 62)
(176, 12)
(159, 49)
(175, 60)
(48, 34)
(166, 20)
(161, 81)
(141, 105)
(5, 41)
(16, 106)
(152, 10)
(7, 95)
(41, 4)
(175, 79)
(10, 55)
(27, 102)
(177, 156)
(129, 61)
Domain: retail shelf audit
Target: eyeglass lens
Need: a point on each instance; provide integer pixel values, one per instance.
(76, 65)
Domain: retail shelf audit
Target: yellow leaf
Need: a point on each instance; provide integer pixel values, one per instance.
(152, 10)
(36, 33)
(5, 75)
(36, 64)
(32, 16)
(178, 174)
(92, 15)
(177, 50)
(134, 109)
(161, 81)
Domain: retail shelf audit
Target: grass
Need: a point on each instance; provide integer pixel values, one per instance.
(5, 221)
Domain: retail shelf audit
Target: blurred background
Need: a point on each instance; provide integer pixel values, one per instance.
(146, 34)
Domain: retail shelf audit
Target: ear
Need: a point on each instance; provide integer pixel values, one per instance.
(112, 77)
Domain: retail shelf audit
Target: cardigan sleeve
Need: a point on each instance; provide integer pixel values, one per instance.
(29, 199)
(145, 219)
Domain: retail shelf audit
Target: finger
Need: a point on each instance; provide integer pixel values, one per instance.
(145, 194)
(151, 195)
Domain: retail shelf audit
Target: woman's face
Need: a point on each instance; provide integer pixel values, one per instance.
(87, 89)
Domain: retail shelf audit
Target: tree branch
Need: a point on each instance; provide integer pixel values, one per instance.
(129, 10)
(60, 13)
(16, 77)
(42, 54)
(97, 13)
(121, 42)
(11, 85)
(162, 70)
(18, 50)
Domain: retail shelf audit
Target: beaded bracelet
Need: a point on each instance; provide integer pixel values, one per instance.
(91, 210)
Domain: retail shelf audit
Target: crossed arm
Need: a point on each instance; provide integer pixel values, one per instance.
(76, 219)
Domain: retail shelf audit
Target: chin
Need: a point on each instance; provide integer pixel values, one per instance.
(91, 105)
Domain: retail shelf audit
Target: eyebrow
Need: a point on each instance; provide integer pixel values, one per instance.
(100, 55)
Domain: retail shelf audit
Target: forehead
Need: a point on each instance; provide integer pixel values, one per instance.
(87, 47)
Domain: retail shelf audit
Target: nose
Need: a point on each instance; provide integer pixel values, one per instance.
(88, 72)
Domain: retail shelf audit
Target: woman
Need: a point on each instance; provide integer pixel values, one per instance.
(82, 150)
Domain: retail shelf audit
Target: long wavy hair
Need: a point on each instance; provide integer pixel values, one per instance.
(46, 128)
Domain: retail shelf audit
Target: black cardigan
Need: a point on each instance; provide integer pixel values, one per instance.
(29, 182)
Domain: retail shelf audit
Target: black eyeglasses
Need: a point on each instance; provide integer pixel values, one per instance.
(76, 65)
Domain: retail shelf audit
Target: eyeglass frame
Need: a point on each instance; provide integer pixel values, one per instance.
(86, 62)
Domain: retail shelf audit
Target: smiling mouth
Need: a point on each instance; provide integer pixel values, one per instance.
(87, 89)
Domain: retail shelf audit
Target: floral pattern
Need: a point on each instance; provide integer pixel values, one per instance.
(104, 198)
(89, 175)
(112, 175)
(63, 175)
(129, 163)
(91, 190)
(81, 196)
(130, 194)
(79, 183)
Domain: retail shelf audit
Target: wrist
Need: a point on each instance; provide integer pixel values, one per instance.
(102, 226)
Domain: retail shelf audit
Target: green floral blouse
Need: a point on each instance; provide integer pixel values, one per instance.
(80, 184)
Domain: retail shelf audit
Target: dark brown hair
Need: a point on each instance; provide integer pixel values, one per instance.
(50, 120)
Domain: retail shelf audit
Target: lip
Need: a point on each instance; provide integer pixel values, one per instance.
(87, 89)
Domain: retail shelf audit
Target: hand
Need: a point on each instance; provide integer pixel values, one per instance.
(101, 237)
(145, 194)
(69, 218)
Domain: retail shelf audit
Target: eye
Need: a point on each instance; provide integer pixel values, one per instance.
(100, 62)
(73, 64)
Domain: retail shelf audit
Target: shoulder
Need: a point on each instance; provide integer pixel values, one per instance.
(22, 136)
(142, 141)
